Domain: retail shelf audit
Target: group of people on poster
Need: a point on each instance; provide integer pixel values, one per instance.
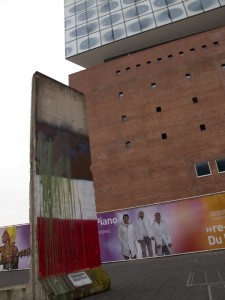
(145, 234)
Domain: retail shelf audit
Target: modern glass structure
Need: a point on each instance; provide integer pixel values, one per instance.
(124, 26)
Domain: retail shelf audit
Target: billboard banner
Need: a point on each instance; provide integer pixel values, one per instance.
(176, 227)
(15, 247)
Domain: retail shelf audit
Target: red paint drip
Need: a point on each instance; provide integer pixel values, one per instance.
(67, 246)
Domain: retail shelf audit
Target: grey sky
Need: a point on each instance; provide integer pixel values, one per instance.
(32, 39)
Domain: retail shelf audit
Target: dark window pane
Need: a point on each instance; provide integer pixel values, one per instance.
(195, 100)
(202, 127)
(221, 164)
(202, 169)
(164, 136)
(128, 144)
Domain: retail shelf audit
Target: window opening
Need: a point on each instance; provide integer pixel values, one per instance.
(220, 163)
(164, 136)
(202, 169)
(202, 127)
(195, 100)
(128, 144)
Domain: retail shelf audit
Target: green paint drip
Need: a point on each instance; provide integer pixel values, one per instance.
(57, 192)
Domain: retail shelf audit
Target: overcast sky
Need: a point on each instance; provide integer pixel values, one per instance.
(32, 39)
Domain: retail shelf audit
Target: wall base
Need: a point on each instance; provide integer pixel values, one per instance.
(59, 287)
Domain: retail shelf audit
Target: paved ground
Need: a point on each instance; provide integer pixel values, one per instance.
(197, 276)
(11, 278)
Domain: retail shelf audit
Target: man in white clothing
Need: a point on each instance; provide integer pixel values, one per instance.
(162, 236)
(144, 234)
(127, 237)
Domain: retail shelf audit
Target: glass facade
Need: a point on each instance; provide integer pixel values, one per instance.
(92, 23)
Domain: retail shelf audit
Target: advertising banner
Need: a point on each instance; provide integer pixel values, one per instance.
(170, 228)
(15, 247)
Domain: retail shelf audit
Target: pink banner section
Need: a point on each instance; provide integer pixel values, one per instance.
(15, 247)
(176, 227)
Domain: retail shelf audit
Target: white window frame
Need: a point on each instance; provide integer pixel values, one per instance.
(217, 165)
(202, 175)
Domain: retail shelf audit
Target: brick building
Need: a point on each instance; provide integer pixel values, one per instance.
(156, 116)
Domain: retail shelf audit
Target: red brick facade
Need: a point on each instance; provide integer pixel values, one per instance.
(122, 106)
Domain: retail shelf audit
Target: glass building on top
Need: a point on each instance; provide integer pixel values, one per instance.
(131, 25)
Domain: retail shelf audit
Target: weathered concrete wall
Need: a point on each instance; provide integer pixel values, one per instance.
(23, 292)
(10, 293)
(64, 234)
(154, 169)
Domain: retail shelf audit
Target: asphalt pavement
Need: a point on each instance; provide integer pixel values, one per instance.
(14, 277)
(196, 276)
(199, 276)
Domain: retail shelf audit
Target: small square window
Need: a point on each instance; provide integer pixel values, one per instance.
(202, 169)
(187, 75)
(138, 66)
(192, 49)
(128, 144)
(223, 66)
(220, 163)
(202, 127)
(159, 59)
(124, 117)
(170, 56)
(118, 72)
(195, 100)
(121, 94)
(204, 46)
(128, 69)
(158, 108)
(164, 136)
(153, 85)
(148, 62)
(181, 53)
(216, 44)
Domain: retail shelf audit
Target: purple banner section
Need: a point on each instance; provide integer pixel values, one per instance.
(108, 225)
(175, 227)
(107, 229)
(15, 247)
